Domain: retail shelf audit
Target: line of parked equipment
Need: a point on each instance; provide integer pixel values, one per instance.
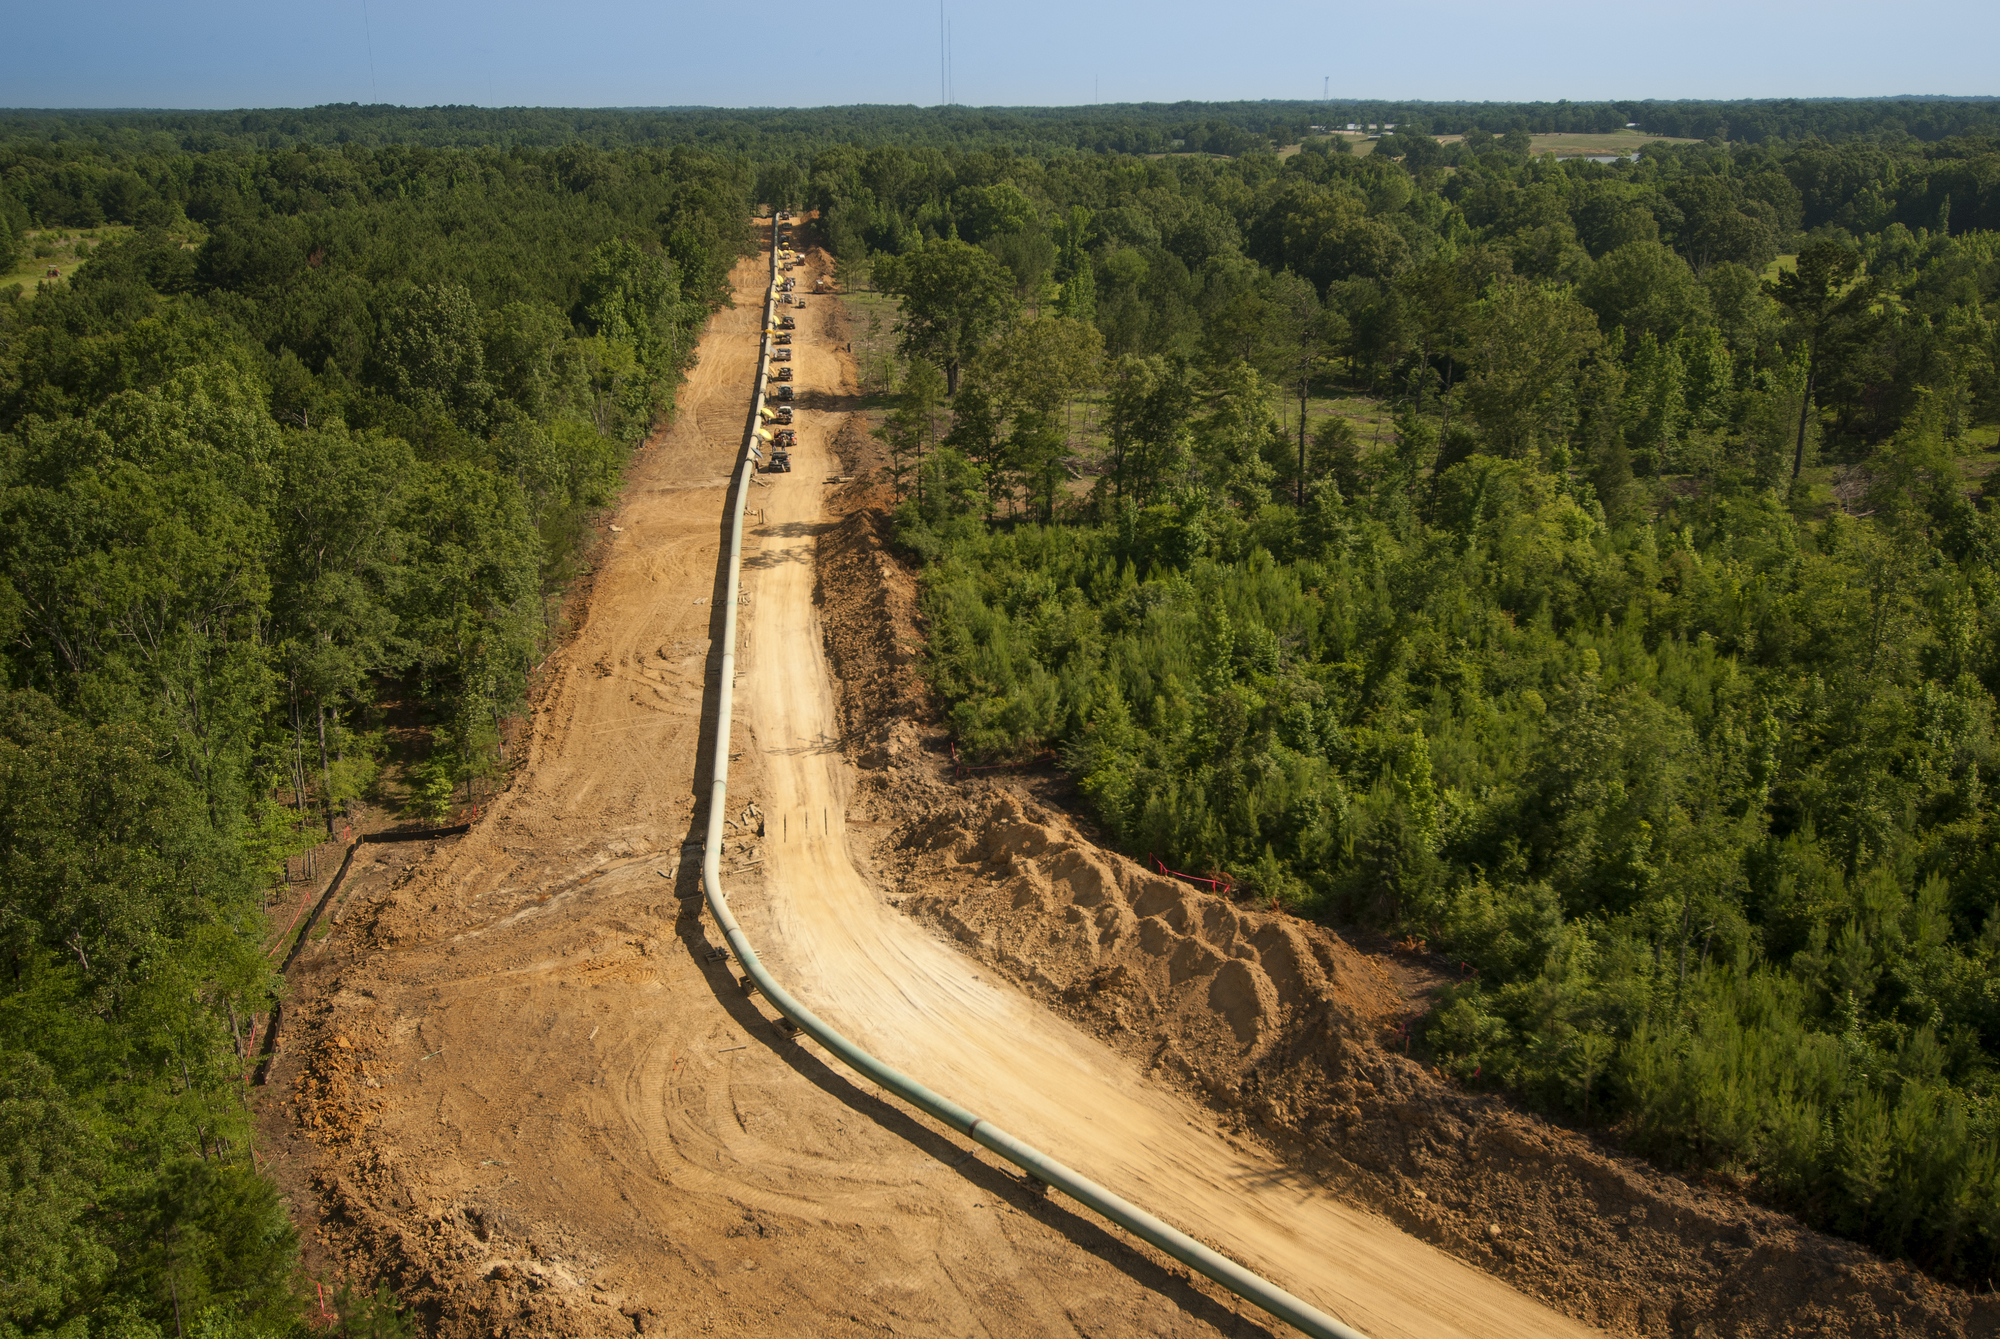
(784, 438)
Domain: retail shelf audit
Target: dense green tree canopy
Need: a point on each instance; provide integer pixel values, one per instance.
(954, 296)
(1639, 656)
(317, 435)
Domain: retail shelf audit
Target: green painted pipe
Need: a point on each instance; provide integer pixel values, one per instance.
(1141, 1224)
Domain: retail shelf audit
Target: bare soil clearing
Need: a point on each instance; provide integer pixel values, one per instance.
(518, 1087)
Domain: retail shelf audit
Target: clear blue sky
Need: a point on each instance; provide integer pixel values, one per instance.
(601, 53)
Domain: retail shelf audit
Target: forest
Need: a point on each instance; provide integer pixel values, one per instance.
(1633, 653)
(1579, 572)
(767, 133)
(308, 447)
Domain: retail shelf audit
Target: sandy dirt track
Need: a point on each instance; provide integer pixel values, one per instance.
(534, 1099)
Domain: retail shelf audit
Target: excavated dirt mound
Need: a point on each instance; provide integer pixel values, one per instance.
(1279, 1022)
(876, 638)
(1219, 985)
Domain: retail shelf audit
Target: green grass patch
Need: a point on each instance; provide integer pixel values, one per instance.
(1572, 145)
(58, 249)
(872, 318)
(1779, 266)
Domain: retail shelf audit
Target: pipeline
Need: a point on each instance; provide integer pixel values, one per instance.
(1043, 1169)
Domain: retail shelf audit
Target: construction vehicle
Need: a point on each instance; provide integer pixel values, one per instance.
(784, 392)
(784, 374)
(784, 417)
(780, 463)
(781, 355)
(785, 440)
(823, 284)
(787, 323)
(784, 339)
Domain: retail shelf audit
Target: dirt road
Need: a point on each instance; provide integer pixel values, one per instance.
(538, 1104)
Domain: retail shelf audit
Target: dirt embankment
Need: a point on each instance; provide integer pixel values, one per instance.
(1286, 1030)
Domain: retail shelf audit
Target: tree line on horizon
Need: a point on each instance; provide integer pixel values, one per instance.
(119, 138)
(1640, 659)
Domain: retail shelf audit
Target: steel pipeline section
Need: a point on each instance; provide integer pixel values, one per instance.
(1141, 1224)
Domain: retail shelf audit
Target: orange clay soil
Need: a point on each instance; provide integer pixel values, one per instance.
(519, 1091)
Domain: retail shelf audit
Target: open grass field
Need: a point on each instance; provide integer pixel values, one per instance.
(872, 321)
(1616, 141)
(1978, 455)
(1844, 485)
(1563, 146)
(65, 250)
(1369, 416)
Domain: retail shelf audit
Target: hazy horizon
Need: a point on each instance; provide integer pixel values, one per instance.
(664, 108)
(209, 55)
